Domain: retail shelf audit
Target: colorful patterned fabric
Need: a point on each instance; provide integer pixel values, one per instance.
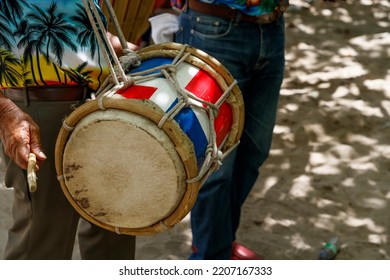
(48, 42)
(250, 7)
(178, 4)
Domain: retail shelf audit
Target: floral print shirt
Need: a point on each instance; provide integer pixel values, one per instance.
(48, 42)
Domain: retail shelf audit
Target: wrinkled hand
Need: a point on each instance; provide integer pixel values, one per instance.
(19, 134)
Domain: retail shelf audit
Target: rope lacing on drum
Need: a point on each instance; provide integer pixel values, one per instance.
(117, 66)
(213, 156)
(119, 80)
(163, 225)
(66, 126)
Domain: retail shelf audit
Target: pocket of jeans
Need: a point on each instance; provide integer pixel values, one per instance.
(210, 27)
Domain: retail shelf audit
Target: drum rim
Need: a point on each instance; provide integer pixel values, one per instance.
(197, 58)
(178, 137)
(173, 177)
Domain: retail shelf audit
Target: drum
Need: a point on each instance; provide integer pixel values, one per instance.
(134, 160)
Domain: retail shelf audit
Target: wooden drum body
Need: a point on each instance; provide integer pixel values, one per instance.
(133, 161)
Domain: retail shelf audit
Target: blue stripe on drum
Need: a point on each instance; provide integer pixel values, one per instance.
(151, 63)
(190, 125)
(186, 118)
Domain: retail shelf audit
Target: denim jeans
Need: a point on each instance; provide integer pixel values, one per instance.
(254, 55)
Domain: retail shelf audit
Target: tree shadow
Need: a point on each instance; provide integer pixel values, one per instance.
(329, 167)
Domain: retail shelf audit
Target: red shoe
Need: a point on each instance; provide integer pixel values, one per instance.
(240, 252)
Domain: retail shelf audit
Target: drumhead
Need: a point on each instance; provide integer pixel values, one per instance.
(122, 170)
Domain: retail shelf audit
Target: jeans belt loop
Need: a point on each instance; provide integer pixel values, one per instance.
(237, 19)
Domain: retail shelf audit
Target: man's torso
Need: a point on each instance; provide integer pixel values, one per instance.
(46, 43)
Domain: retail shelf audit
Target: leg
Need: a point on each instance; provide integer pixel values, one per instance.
(99, 244)
(44, 223)
(211, 221)
(261, 96)
(210, 216)
(258, 66)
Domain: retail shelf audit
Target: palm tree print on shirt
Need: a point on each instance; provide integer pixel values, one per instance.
(50, 32)
(48, 45)
(13, 9)
(86, 37)
(5, 32)
(9, 76)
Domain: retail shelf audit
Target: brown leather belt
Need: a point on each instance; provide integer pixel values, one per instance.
(233, 14)
(52, 93)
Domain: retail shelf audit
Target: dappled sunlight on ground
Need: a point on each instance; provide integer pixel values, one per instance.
(328, 172)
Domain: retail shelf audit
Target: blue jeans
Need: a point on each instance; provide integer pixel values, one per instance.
(254, 55)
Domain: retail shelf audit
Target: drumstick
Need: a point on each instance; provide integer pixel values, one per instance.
(31, 175)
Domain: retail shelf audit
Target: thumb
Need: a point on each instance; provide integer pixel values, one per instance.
(36, 147)
(38, 153)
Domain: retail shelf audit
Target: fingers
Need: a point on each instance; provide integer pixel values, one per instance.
(132, 46)
(20, 135)
(32, 145)
(35, 146)
(19, 150)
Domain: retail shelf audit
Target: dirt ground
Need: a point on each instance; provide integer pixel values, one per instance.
(329, 169)
(328, 172)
